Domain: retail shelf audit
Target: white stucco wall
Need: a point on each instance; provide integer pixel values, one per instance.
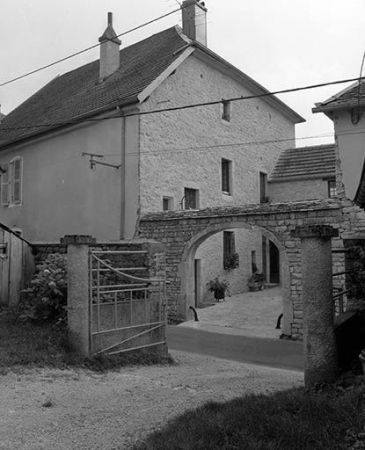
(184, 149)
(61, 194)
(351, 145)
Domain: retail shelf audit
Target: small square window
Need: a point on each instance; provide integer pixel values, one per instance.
(332, 190)
(167, 204)
(226, 176)
(226, 112)
(191, 198)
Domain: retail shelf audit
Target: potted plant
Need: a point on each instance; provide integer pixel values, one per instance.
(231, 261)
(218, 287)
(256, 282)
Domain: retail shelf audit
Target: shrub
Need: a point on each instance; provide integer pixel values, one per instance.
(45, 299)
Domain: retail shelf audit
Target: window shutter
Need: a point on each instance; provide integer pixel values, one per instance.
(5, 179)
(16, 180)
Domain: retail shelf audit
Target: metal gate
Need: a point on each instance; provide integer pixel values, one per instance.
(127, 311)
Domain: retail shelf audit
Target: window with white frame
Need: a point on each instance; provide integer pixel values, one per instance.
(11, 182)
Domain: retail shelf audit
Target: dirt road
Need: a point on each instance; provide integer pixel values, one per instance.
(83, 410)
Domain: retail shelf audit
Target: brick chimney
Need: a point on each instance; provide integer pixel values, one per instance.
(109, 50)
(194, 19)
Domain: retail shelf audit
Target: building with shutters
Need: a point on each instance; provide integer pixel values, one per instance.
(101, 145)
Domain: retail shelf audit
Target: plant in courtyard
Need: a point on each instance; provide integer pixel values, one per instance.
(45, 299)
(218, 287)
(231, 261)
(257, 280)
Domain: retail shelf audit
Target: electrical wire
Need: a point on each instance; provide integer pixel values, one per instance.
(180, 108)
(84, 50)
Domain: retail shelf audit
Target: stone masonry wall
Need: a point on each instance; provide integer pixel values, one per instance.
(185, 148)
(178, 229)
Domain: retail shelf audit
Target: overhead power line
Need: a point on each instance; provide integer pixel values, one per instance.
(193, 105)
(85, 50)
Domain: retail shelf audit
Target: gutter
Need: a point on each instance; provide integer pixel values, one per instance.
(73, 121)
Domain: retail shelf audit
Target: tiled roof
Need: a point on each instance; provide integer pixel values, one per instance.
(348, 98)
(79, 92)
(305, 162)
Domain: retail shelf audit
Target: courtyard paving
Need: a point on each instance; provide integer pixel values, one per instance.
(253, 314)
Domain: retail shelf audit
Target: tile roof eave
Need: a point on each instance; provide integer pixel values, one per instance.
(327, 109)
(72, 122)
(281, 179)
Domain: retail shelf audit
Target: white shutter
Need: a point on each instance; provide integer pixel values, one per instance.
(5, 180)
(16, 180)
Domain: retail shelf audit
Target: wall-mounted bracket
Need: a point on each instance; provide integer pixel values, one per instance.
(94, 162)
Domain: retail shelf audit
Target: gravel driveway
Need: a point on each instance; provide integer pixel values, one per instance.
(88, 410)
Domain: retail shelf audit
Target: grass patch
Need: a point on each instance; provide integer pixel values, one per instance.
(296, 419)
(25, 344)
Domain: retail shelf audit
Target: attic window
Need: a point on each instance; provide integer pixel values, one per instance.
(226, 110)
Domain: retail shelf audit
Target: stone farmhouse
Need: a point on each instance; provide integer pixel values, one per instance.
(100, 146)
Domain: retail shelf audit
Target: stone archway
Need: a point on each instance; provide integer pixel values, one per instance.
(186, 267)
(183, 231)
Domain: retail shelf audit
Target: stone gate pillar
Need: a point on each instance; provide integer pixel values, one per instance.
(320, 352)
(78, 316)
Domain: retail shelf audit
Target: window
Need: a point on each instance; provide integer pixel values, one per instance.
(5, 178)
(167, 203)
(229, 246)
(263, 184)
(253, 261)
(191, 198)
(11, 182)
(16, 169)
(226, 176)
(332, 191)
(226, 110)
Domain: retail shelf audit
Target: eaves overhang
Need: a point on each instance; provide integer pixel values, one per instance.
(74, 121)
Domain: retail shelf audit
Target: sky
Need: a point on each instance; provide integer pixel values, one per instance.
(281, 44)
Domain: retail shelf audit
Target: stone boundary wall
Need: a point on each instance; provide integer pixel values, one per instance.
(183, 231)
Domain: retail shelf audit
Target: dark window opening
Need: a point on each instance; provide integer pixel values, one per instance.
(229, 246)
(332, 190)
(226, 176)
(191, 198)
(226, 114)
(263, 184)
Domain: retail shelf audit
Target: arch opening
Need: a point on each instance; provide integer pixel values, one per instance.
(271, 259)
